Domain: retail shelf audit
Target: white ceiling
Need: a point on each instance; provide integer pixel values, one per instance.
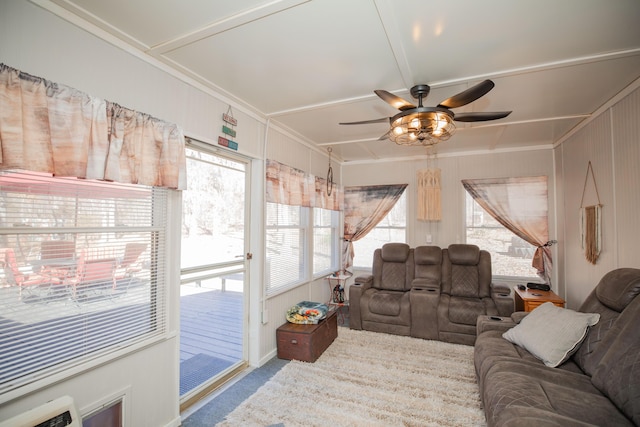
(309, 65)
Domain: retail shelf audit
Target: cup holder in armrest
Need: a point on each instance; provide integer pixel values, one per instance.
(504, 295)
(496, 318)
(424, 289)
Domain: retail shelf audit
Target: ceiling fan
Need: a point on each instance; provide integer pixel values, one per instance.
(420, 125)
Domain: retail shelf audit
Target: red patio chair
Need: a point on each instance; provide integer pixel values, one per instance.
(31, 282)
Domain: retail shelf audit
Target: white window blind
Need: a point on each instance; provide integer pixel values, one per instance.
(82, 272)
(286, 232)
(325, 241)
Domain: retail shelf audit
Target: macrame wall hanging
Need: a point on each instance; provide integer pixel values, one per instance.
(429, 202)
(590, 222)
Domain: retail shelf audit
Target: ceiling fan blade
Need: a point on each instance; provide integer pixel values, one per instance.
(385, 136)
(365, 122)
(394, 101)
(468, 96)
(480, 116)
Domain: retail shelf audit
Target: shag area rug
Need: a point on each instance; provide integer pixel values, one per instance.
(370, 379)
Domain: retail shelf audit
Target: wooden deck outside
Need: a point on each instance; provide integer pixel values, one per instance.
(211, 334)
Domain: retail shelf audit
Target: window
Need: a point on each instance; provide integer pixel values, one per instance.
(83, 272)
(510, 255)
(289, 240)
(286, 231)
(325, 241)
(391, 229)
(213, 210)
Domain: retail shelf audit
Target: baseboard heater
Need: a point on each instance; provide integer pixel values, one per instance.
(59, 412)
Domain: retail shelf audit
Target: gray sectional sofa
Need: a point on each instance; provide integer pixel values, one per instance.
(599, 383)
(427, 292)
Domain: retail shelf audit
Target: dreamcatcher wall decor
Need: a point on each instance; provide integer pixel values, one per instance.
(591, 222)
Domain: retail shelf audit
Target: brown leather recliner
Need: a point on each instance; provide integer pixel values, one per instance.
(467, 293)
(427, 292)
(382, 299)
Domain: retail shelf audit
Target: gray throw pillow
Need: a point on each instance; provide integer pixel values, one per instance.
(551, 333)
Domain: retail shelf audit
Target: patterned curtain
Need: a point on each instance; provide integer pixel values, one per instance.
(519, 204)
(290, 186)
(364, 208)
(52, 128)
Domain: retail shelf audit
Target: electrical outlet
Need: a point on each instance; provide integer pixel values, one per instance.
(265, 317)
(429, 238)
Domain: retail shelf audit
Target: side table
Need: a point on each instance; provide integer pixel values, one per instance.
(337, 292)
(528, 299)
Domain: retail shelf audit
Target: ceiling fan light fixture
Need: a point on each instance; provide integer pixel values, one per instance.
(427, 126)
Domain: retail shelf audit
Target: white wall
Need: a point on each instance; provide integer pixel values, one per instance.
(611, 142)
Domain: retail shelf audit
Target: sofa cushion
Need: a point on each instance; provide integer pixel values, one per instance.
(617, 288)
(393, 267)
(395, 252)
(428, 265)
(520, 389)
(386, 303)
(464, 254)
(393, 276)
(428, 255)
(465, 281)
(465, 310)
(618, 373)
(552, 333)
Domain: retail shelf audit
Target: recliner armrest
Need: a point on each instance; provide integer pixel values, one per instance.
(364, 281)
(500, 289)
(493, 323)
(360, 285)
(501, 296)
(517, 316)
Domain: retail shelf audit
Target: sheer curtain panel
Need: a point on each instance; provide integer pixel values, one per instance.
(364, 208)
(521, 205)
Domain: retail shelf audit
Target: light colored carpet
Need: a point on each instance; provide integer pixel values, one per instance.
(370, 379)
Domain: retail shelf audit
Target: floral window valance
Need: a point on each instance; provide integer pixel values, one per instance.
(290, 186)
(52, 128)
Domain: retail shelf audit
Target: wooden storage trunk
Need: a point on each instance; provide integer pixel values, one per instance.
(306, 342)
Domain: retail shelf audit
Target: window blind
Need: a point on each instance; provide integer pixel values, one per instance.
(286, 232)
(82, 272)
(325, 241)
